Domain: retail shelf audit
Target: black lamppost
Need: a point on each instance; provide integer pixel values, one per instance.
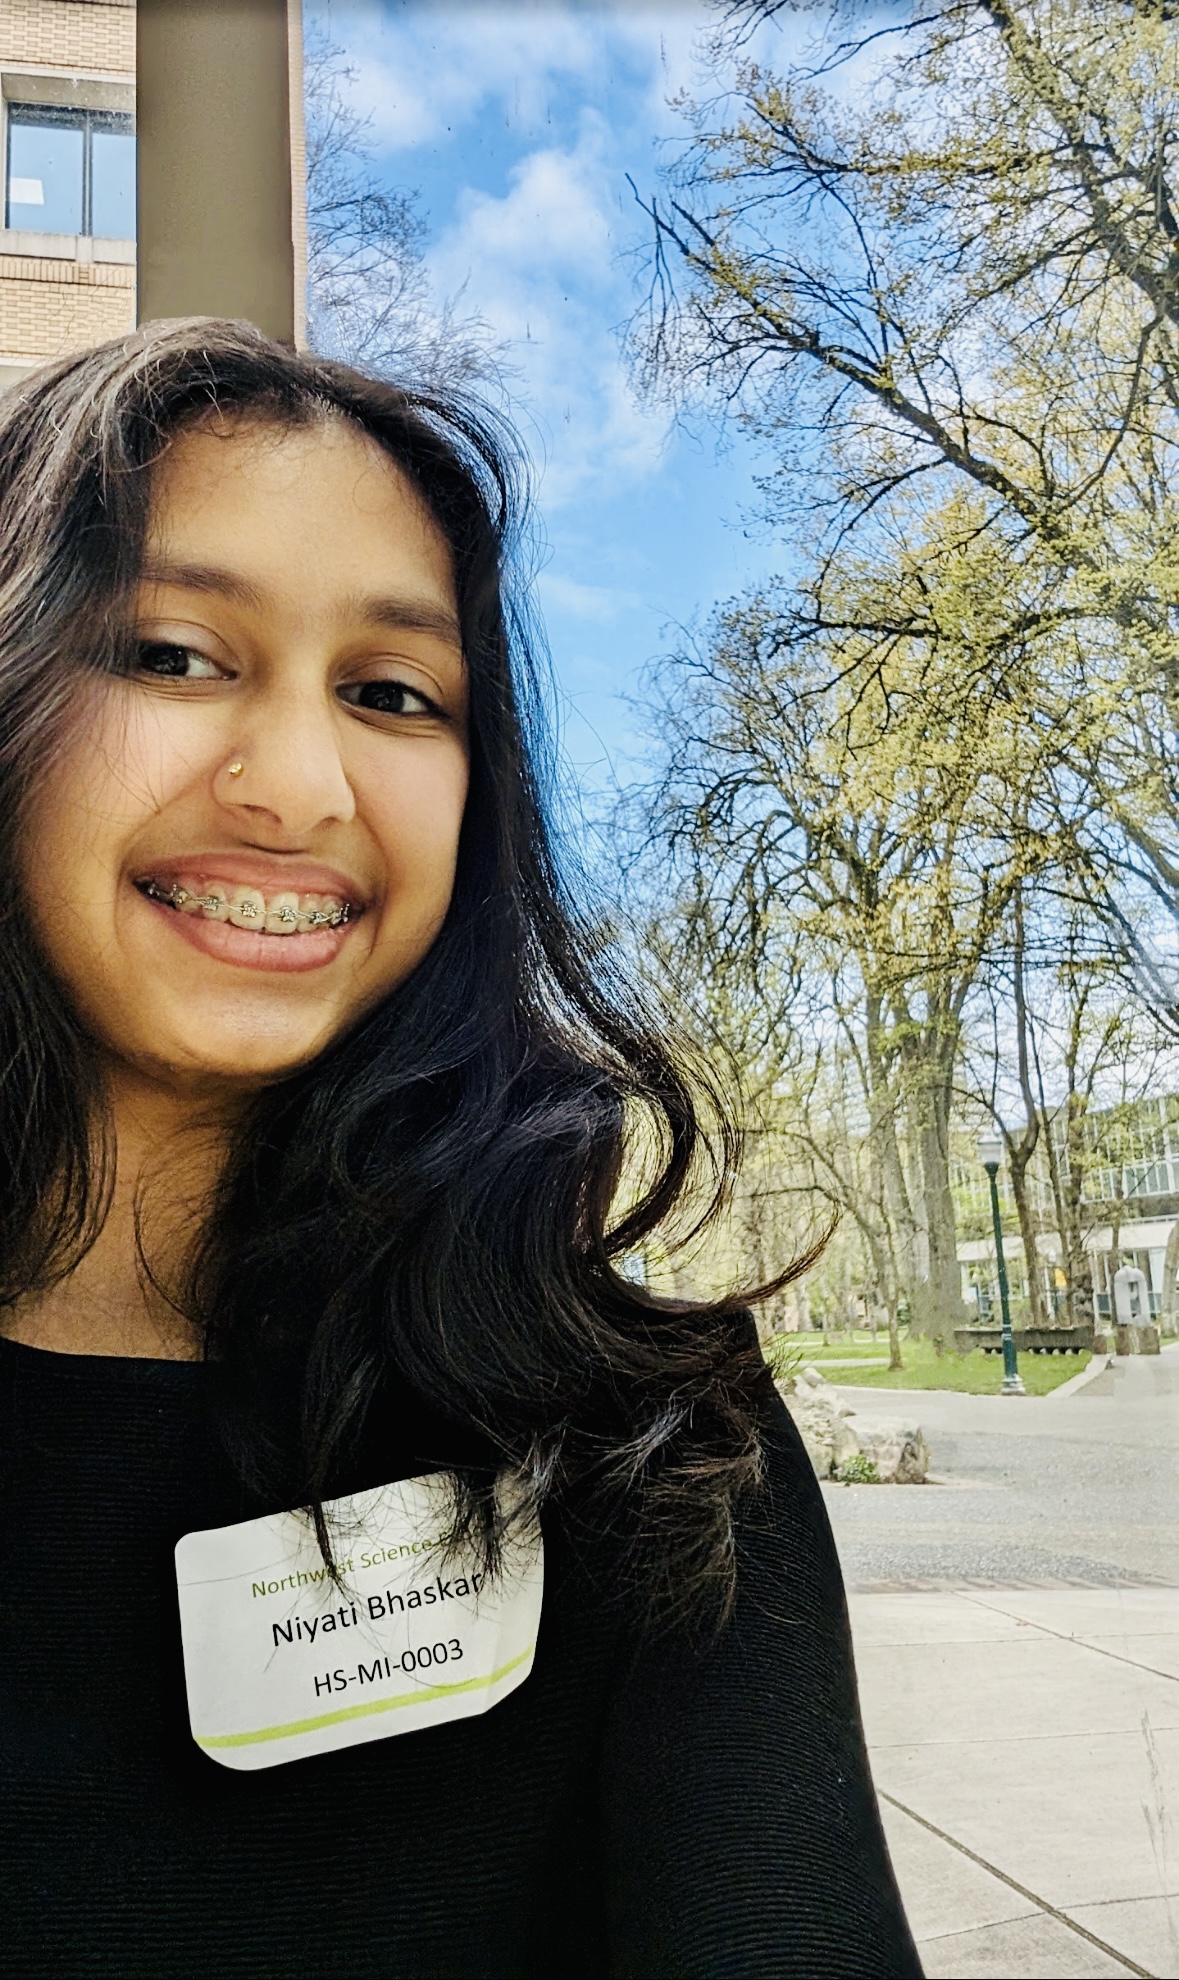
(990, 1154)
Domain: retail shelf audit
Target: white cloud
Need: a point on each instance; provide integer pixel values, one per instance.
(421, 71)
(540, 261)
(424, 70)
(540, 266)
(552, 218)
(594, 604)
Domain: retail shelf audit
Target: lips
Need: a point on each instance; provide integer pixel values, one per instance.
(259, 913)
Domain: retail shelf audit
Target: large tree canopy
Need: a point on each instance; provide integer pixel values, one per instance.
(934, 269)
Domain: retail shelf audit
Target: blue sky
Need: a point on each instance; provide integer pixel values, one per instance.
(518, 125)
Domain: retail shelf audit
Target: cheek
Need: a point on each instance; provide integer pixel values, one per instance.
(416, 816)
(121, 764)
(148, 752)
(125, 761)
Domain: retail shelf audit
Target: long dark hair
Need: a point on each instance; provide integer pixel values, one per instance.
(426, 1212)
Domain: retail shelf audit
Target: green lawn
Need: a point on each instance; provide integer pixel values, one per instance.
(973, 1374)
(841, 1347)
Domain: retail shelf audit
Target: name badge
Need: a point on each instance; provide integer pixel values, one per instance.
(282, 1662)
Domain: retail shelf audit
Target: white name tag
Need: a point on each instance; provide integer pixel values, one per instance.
(281, 1662)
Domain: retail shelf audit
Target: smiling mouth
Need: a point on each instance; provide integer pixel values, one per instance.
(282, 913)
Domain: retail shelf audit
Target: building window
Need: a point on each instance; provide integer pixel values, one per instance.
(71, 171)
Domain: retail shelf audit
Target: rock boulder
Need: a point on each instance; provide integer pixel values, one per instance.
(895, 1446)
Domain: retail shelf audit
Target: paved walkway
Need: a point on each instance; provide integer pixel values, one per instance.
(1017, 1640)
(1078, 1490)
(1026, 1751)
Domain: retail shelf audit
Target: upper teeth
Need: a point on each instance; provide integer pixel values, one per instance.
(246, 907)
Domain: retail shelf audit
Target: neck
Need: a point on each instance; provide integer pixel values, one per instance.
(169, 1150)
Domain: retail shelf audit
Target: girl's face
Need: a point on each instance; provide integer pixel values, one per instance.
(252, 839)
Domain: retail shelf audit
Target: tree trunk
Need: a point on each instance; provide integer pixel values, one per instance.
(1115, 1244)
(884, 1270)
(883, 1102)
(1077, 1266)
(1066, 1170)
(938, 1308)
(1072, 1249)
(1018, 1165)
(1169, 1305)
(1019, 1153)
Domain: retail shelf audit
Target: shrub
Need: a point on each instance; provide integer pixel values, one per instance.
(858, 1470)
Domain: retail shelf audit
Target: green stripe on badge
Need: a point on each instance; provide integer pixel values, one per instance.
(365, 1711)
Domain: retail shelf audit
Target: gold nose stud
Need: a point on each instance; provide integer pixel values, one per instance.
(235, 768)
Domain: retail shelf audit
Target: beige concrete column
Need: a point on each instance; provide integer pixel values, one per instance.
(217, 218)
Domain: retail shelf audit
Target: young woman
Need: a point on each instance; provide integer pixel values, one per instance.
(314, 1103)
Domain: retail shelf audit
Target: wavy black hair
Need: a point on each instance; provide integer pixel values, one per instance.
(416, 1240)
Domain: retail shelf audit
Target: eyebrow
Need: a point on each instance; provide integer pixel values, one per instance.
(397, 614)
(204, 577)
(409, 615)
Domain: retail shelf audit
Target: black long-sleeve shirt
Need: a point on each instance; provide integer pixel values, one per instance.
(639, 1807)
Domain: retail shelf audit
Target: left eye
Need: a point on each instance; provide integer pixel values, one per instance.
(387, 698)
(169, 661)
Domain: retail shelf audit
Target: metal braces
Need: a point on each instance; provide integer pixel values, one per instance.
(303, 919)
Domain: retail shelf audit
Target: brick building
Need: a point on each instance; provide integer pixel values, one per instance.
(67, 153)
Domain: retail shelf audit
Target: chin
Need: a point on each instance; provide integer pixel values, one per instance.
(234, 1061)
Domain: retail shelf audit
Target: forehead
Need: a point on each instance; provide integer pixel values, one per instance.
(322, 500)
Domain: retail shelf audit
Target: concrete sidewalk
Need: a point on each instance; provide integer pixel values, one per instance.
(1026, 1750)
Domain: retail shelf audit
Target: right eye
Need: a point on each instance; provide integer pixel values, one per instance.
(166, 660)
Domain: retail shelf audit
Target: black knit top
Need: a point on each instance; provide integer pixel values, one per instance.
(639, 1807)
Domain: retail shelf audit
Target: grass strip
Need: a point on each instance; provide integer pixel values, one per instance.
(973, 1374)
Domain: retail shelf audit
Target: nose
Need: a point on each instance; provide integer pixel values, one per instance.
(287, 769)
